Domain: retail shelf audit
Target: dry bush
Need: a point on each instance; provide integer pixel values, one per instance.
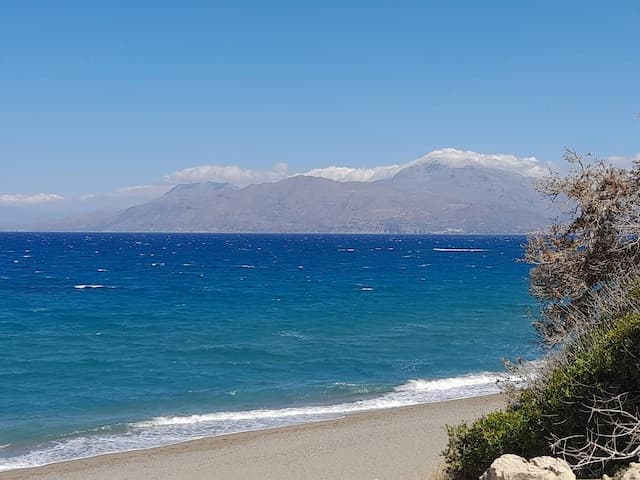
(600, 245)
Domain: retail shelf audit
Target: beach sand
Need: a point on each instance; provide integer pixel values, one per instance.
(399, 443)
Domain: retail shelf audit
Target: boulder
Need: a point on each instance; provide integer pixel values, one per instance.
(513, 467)
(631, 473)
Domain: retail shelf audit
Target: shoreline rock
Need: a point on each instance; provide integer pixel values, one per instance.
(513, 467)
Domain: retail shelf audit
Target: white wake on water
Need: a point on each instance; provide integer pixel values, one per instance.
(460, 250)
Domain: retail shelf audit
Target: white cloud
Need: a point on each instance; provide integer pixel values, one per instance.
(227, 173)
(622, 161)
(350, 174)
(528, 166)
(135, 188)
(142, 190)
(25, 199)
(451, 157)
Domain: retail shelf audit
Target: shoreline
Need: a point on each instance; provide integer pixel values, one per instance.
(399, 442)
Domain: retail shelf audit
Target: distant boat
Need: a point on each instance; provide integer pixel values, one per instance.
(459, 249)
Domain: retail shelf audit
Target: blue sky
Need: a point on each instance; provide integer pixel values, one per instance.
(96, 96)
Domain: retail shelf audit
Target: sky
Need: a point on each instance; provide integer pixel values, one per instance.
(131, 97)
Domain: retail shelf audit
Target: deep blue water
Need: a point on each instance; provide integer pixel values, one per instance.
(111, 342)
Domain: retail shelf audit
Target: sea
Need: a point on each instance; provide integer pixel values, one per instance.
(116, 342)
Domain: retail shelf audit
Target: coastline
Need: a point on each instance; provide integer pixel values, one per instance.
(394, 443)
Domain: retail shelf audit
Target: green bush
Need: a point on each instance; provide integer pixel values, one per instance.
(605, 359)
(472, 448)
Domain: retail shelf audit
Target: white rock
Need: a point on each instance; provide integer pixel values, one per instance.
(513, 467)
(555, 465)
(632, 472)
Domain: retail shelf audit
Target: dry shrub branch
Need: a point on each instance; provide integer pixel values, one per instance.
(599, 246)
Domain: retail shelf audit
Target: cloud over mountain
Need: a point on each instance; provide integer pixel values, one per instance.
(227, 174)
(453, 158)
(621, 161)
(450, 157)
(351, 174)
(29, 199)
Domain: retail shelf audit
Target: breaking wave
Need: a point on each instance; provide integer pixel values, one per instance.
(166, 430)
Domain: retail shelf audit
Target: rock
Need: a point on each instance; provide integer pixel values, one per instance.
(513, 467)
(631, 473)
(557, 466)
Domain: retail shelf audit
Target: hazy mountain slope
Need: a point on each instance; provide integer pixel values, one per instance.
(297, 204)
(425, 198)
(469, 184)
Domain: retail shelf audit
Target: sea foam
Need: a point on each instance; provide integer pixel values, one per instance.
(167, 430)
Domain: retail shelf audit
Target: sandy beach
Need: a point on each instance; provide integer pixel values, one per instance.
(399, 443)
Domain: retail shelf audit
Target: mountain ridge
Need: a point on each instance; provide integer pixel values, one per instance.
(427, 197)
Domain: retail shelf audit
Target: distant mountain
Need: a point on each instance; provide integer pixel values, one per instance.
(428, 197)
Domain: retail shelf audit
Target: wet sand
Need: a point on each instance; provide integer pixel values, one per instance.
(398, 443)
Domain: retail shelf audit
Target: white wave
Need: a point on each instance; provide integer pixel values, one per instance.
(451, 383)
(413, 392)
(83, 286)
(166, 430)
(459, 249)
(292, 333)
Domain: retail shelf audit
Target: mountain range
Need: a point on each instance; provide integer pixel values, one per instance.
(426, 197)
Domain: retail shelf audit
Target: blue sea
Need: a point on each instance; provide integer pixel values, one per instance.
(114, 342)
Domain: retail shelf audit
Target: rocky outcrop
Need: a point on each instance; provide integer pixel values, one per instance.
(513, 467)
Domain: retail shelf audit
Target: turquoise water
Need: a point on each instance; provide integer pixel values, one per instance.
(111, 342)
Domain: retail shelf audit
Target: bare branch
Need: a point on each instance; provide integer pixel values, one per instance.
(612, 434)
